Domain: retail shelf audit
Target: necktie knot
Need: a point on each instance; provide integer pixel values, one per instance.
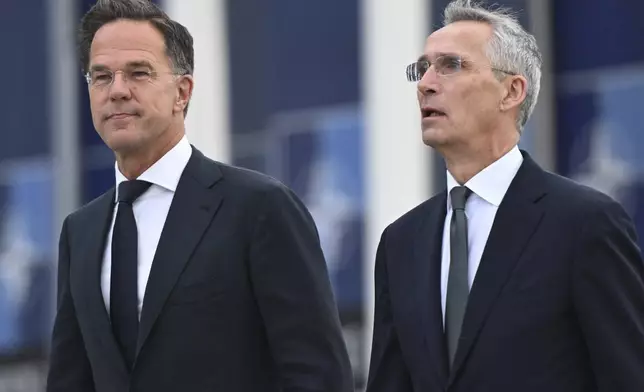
(458, 196)
(129, 191)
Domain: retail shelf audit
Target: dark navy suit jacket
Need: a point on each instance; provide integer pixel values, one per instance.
(238, 298)
(557, 304)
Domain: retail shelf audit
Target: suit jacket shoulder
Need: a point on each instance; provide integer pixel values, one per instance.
(572, 199)
(85, 215)
(414, 218)
(245, 180)
(255, 193)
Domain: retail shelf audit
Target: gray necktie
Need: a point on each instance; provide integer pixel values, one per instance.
(457, 285)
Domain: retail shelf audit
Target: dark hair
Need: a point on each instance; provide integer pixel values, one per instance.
(178, 41)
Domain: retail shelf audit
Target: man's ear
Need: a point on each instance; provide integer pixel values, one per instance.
(184, 92)
(516, 87)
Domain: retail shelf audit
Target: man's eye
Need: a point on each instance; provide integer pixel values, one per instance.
(452, 63)
(140, 74)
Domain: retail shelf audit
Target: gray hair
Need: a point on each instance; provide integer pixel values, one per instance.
(511, 47)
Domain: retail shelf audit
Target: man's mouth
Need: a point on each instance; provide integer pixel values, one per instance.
(428, 112)
(120, 116)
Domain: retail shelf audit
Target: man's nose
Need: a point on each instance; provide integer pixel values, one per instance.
(429, 84)
(119, 88)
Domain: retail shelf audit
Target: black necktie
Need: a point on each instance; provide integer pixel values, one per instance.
(123, 288)
(457, 284)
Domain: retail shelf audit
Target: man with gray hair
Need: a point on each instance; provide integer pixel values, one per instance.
(513, 279)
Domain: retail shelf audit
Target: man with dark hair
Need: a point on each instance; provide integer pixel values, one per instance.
(189, 275)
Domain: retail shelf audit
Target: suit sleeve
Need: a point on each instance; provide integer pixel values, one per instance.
(293, 291)
(608, 292)
(387, 369)
(69, 368)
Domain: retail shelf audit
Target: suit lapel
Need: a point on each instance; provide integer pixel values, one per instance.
(428, 283)
(95, 227)
(194, 205)
(516, 221)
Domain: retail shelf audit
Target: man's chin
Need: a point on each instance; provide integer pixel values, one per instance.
(434, 137)
(123, 141)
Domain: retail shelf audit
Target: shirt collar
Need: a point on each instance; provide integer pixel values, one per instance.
(165, 172)
(491, 183)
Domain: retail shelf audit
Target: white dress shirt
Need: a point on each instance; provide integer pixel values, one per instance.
(150, 212)
(488, 189)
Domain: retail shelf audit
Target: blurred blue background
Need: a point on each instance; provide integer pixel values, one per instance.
(295, 107)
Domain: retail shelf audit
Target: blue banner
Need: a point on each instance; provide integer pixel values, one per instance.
(26, 183)
(599, 65)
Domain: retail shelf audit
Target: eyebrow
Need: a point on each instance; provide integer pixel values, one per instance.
(129, 64)
(424, 57)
